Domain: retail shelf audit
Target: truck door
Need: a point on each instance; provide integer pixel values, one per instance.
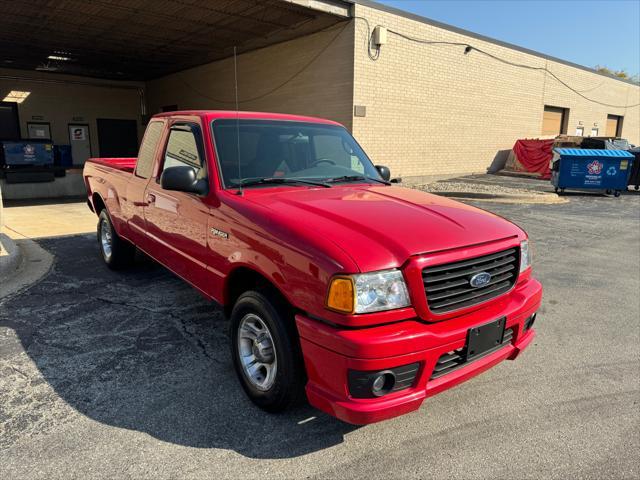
(176, 222)
(134, 200)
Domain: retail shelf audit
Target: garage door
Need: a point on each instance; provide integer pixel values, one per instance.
(552, 121)
(614, 122)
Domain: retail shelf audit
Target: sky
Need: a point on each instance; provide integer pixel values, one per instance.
(587, 32)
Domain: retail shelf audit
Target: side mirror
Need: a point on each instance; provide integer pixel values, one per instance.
(384, 172)
(396, 180)
(182, 179)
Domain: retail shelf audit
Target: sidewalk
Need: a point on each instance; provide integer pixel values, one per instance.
(22, 261)
(43, 220)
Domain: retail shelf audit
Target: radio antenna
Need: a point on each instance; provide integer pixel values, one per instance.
(235, 78)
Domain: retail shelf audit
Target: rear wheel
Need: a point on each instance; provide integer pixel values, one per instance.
(116, 252)
(266, 351)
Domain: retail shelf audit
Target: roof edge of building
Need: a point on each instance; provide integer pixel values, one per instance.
(462, 31)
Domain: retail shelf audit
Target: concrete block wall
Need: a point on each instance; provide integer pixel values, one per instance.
(432, 110)
(321, 64)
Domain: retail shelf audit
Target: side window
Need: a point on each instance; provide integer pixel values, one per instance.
(182, 150)
(144, 165)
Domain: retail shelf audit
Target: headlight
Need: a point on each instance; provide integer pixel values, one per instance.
(525, 256)
(368, 292)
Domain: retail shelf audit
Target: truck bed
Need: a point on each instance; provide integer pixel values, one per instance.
(126, 164)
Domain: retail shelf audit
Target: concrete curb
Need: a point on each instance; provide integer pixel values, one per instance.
(10, 258)
(546, 199)
(34, 263)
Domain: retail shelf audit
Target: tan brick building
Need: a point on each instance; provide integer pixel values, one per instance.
(422, 108)
(430, 109)
(443, 111)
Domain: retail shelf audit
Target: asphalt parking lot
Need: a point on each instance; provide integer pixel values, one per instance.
(107, 374)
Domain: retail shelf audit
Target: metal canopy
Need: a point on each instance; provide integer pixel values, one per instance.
(146, 39)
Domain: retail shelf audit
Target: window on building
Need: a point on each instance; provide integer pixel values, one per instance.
(579, 131)
(594, 132)
(554, 120)
(614, 126)
(144, 165)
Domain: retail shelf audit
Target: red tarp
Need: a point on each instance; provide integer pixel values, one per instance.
(535, 155)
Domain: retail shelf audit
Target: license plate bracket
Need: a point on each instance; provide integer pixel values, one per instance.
(484, 338)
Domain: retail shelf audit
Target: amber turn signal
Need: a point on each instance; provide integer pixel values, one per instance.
(341, 296)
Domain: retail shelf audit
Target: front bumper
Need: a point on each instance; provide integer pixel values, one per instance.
(329, 353)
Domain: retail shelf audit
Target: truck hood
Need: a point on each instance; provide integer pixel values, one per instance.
(382, 226)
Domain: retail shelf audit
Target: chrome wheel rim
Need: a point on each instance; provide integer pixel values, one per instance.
(257, 353)
(106, 239)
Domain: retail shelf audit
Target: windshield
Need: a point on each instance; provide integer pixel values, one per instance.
(287, 150)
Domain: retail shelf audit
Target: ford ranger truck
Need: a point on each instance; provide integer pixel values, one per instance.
(339, 284)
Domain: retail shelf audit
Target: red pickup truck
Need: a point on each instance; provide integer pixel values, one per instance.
(340, 284)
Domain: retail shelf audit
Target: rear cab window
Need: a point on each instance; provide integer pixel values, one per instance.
(146, 155)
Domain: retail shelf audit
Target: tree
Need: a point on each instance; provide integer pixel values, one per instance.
(617, 73)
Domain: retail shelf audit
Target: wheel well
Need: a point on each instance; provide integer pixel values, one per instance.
(244, 279)
(98, 203)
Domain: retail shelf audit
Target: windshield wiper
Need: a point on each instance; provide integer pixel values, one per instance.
(247, 182)
(355, 178)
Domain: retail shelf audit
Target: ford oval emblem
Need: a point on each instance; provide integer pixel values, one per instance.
(480, 279)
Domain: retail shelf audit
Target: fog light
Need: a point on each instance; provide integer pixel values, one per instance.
(383, 383)
(377, 383)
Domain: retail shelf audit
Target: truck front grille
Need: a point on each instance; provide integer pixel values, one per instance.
(455, 359)
(448, 286)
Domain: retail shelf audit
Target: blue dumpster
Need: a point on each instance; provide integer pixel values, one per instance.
(584, 169)
(28, 152)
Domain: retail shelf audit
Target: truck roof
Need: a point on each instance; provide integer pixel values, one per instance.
(209, 115)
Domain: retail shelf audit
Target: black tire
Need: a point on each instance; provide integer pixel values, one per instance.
(616, 193)
(289, 380)
(608, 191)
(122, 252)
(556, 189)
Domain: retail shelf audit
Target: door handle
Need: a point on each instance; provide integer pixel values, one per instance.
(151, 198)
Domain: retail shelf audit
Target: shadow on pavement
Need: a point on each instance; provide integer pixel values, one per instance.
(144, 351)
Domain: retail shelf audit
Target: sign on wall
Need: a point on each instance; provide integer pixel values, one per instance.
(78, 133)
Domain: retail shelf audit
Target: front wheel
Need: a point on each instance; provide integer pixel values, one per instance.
(266, 352)
(116, 252)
